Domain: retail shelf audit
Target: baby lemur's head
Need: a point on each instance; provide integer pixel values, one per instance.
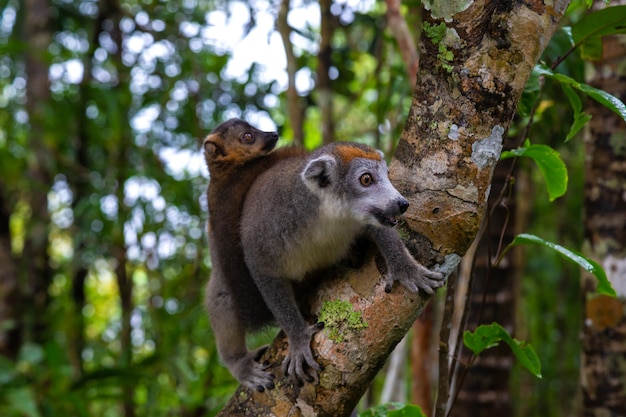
(236, 142)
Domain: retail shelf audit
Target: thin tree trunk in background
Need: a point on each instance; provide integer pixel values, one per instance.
(394, 388)
(35, 271)
(295, 105)
(485, 389)
(323, 85)
(422, 361)
(443, 165)
(406, 42)
(603, 364)
(10, 300)
(112, 10)
(81, 189)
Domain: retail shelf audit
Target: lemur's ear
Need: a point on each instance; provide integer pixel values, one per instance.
(319, 171)
(212, 147)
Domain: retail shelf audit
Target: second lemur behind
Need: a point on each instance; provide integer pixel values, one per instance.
(236, 154)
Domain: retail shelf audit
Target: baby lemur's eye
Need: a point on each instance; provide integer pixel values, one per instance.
(366, 179)
(248, 137)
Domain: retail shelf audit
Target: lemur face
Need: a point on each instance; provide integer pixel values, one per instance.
(354, 179)
(236, 140)
(370, 193)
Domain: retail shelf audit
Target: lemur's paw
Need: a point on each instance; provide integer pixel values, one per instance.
(415, 277)
(252, 374)
(299, 362)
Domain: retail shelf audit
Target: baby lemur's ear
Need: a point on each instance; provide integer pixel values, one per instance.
(319, 171)
(212, 147)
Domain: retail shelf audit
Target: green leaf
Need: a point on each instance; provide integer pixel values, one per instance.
(22, 400)
(550, 164)
(588, 31)
(580, 117)
(532, 89)
(7, 371)
(490, 335)
(394, 409)
(409, 410)
(480, 340)
(609, 101)
(580, 120)
(589, 265)
(573, 98)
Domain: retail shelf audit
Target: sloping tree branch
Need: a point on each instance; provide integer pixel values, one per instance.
(472, 72)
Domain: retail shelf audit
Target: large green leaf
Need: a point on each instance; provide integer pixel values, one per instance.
(587, 33)
(550, 164)
(589, 265)
(490, 335)
(608, 100)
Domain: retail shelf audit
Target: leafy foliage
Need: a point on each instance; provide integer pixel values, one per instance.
(490, 335)
(550, 164)
(604, 285)
(132, 94)
(602, 97)
(588, 32)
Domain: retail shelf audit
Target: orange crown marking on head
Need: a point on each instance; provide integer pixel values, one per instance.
(347, 153)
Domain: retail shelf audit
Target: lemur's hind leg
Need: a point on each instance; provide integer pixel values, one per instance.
(230, 336)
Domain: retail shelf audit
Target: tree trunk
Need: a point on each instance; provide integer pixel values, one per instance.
(403, 36)
(295, 105)
(485, 386)
(111, 9)
(422, 362)
(461, 108)
(10, 300)
(323, 86)
(34, 267)
(603, 365)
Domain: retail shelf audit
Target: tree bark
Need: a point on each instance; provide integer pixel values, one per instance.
(323, 86)
(295, 106)
(422, 362)
(10, 300)
(406, 44)
(111, 9)
(443, 165)
(34, 267)
(485, 386)
(603, 364)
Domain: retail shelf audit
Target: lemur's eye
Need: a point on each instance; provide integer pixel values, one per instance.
(248, 138)
(366, 180)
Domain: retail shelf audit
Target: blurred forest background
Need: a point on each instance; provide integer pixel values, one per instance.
(103, 256)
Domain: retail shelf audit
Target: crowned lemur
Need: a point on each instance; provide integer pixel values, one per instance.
(295, 213)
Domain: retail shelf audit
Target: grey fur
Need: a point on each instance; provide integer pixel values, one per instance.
(303, 215)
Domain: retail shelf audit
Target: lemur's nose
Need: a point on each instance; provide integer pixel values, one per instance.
(403, 205)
